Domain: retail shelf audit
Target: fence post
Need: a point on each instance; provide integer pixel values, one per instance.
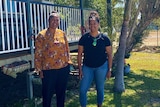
(82, 18)
(30, 33)
(31, 41)
(30, 85)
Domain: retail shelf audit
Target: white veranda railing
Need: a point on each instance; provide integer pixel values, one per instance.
(20, 19)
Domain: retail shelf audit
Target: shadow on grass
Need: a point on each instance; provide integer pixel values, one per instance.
(13, 91)
(141, 90)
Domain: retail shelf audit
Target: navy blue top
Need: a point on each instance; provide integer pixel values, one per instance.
(94, 56)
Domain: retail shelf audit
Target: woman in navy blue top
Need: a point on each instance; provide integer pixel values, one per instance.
(95, 50)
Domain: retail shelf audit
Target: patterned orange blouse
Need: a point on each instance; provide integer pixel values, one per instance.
(51, 51)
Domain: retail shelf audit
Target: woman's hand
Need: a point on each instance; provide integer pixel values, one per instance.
(108, 74)
(39, 72)
(80, 74)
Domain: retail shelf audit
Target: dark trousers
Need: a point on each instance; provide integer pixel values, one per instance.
(54, 81)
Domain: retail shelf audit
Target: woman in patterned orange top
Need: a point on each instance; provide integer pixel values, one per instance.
(52, 61)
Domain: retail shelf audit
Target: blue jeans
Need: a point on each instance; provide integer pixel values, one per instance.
(99, 74)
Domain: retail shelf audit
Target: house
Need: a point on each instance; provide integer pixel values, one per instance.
(21, 20)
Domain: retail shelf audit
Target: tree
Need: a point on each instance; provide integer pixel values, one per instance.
(142, 14)
(117, 14)
(149, 10)
(119, 81)
(66, 2)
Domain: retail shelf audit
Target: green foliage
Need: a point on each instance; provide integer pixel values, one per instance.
(87, 3)
(66, 2)
(117, 18)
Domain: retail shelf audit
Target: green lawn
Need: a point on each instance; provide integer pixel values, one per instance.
(142, 85)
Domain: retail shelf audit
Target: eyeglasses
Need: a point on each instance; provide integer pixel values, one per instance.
(94, 42)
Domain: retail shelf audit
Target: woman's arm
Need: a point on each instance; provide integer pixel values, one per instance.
(39, 54)
(79, 59)
(109, 55)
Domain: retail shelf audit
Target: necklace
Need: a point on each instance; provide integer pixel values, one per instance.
(95, 40)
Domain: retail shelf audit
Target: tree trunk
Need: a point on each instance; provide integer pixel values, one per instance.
(149, 10)
(119, 57)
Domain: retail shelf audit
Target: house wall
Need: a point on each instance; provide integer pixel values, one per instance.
(22, 20)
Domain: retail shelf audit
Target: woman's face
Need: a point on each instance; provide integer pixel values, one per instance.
(93, 25)
(54, 22)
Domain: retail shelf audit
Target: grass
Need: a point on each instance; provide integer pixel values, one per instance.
(142, 87)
